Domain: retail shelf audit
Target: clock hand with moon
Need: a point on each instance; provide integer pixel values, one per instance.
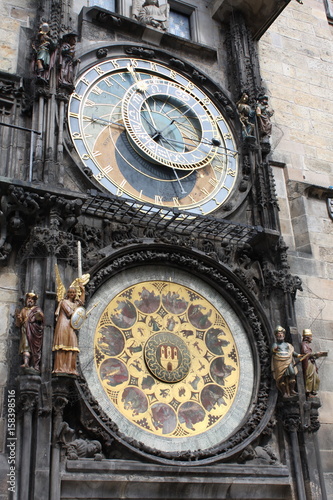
(150, 134)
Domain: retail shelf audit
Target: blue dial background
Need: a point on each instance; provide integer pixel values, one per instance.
(148, 176)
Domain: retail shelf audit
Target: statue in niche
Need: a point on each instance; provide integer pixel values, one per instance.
(258, 455)
(67, 61)
(78, 447)
(150, 13)
(31, 322)
(65, 342)
(283, 365)
(310, 369)
(246, 115)
(83, 448)
(264, 114)
(43, 52)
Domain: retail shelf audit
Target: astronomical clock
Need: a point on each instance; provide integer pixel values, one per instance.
(167, 355)
(151, 134)
(147, 148)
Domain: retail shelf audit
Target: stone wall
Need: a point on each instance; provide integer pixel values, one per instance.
(8, 304)
(14, 16)
(296, 56)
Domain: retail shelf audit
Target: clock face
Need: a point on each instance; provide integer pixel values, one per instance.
(168, 360)
(150, 134)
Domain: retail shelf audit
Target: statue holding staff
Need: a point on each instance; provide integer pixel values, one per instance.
(70, 315)
(31, 322)
(310, 369)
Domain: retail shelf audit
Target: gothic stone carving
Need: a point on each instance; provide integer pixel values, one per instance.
(151, 13)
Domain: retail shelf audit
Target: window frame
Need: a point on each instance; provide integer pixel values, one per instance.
(91, 3)
(191, 12)
(329, 10)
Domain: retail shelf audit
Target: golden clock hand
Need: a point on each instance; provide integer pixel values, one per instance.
(181, 143)
(212, 142)
(150, 115)
(141, 85)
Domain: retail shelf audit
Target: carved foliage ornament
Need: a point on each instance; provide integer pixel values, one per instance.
(19, 211)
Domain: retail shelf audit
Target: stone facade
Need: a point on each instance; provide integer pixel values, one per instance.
(295, 64)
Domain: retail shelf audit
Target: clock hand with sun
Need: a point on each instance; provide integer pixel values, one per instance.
(157, 134)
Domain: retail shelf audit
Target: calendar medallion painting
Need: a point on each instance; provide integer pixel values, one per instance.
(167, 364)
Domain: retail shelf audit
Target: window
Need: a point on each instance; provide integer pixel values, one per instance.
(179, 24)
(104, 4)
(183, 20)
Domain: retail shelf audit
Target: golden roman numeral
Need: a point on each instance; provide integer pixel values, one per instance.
(158, 199)
(89, 103)
(213, 181)
(108, 169)
(108, 82)
(122, 185)
(99, 70)
(96, 90)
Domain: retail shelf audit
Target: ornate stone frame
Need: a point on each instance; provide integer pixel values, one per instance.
(259, 416)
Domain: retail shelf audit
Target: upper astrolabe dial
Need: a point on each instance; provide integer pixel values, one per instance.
(150, 134)
(169, 125)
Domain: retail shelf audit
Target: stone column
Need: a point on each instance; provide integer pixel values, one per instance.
(60, 393)
(29, 386)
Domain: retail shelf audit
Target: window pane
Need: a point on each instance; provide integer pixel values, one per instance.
(105, 4)
(179, 24)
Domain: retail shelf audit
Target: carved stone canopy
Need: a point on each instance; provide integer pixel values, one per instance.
(259, 14)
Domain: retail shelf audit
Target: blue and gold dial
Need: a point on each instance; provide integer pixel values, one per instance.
(149, 133)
